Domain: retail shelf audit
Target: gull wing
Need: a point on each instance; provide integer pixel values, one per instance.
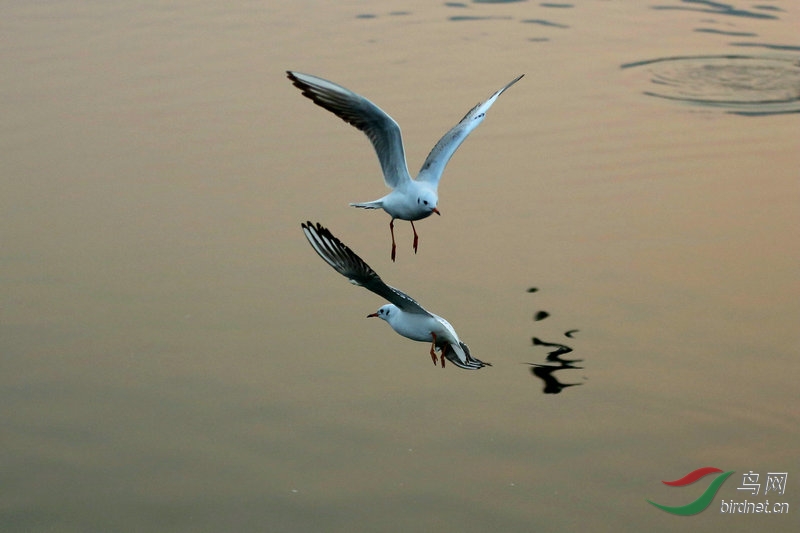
(348, 264)
(431, 171)
(460, 356)
(380, 128)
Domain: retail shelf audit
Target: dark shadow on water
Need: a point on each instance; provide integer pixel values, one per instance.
(718, 8)
(769, 8)
(560, 349)
(727, 33)
(781, 47)
(551, 384)
(554, 360)
(542, 22)
(368, 16)
(459, 18)
(554, 363)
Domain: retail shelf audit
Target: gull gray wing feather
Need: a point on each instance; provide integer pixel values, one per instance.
(347, 263)
(433, 167)
(379, 127)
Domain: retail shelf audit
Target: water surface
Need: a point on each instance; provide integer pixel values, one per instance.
(177, 358)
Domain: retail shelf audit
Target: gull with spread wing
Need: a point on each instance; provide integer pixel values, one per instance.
(410, 199)
(403, 313)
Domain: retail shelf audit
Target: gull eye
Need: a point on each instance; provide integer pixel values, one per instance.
(425, 202)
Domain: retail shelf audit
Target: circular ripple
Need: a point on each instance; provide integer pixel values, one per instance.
(744, 85)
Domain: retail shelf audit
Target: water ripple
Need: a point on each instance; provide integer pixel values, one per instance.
(706, 6)
(744, 85)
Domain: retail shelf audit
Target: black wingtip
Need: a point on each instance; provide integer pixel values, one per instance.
(471, 363)
(320, 230)
(298, 83)
(324, 233)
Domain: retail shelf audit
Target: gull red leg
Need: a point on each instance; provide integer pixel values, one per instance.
(416, 237)
(433, 349)
(391, 229)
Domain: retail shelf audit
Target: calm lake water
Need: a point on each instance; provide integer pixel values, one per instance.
(175, 357)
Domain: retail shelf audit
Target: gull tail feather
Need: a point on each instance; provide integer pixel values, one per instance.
(375, 204)
(459, 355)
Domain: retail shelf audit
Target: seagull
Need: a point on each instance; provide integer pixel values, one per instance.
(410, 199)
(403, 313)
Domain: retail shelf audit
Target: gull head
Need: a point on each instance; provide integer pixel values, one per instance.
(427, 202)
(384, 312)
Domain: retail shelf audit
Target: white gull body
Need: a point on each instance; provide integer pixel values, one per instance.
(410, 199)
(403, 313)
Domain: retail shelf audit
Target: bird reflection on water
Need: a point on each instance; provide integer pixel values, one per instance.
(554, 361)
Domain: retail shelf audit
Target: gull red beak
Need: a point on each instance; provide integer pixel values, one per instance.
(436, 210)
(372, 315)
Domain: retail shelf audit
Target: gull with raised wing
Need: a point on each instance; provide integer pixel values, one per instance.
(410, 199)
(403, 313)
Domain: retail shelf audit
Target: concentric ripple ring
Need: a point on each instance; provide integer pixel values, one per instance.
(744, 85)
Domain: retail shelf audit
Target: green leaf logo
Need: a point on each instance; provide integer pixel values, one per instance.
(704, 500)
